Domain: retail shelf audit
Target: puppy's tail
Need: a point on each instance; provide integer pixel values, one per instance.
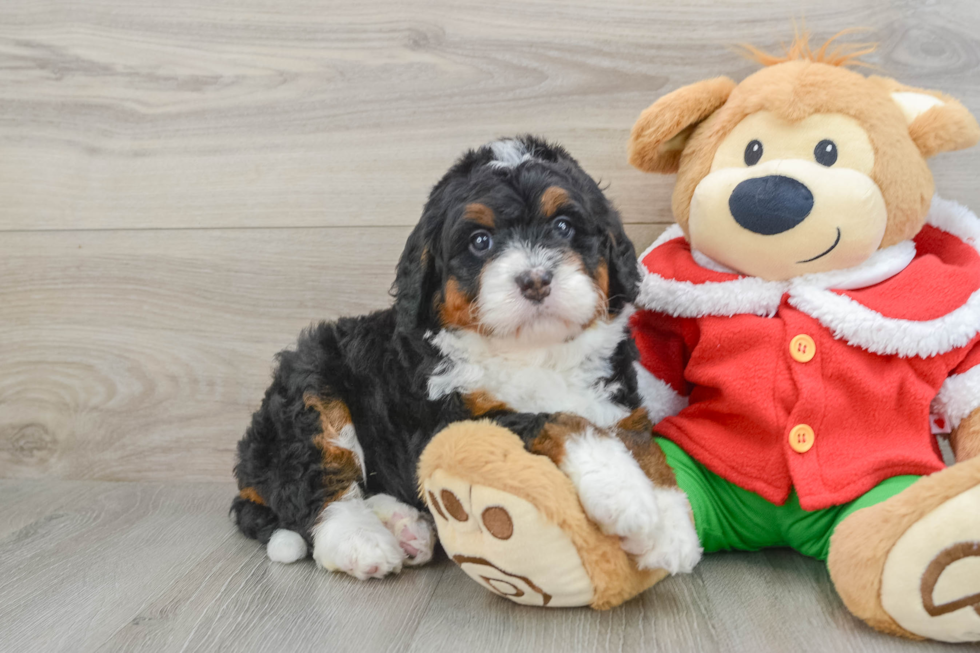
(253, 518)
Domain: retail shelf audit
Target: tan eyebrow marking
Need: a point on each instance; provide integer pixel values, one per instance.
(480, 214)
(552, 199)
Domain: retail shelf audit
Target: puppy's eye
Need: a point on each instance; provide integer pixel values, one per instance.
(563, 227)
(825, 153)
(753, 152)
(480, 242)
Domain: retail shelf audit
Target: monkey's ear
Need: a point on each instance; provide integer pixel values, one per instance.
(937, 122)
(660, 134)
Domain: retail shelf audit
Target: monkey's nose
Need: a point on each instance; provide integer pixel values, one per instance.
(770, 205)
(535, 285)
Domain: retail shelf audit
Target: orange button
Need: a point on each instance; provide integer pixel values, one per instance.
(802, 348)
(801, 438)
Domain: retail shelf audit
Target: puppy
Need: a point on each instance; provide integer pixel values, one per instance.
(511, 303)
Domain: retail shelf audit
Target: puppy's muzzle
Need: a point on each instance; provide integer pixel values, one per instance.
(534, 285)
(770, 205)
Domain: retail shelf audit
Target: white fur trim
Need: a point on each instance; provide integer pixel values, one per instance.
(757, 296)
(658, 398)
(883, 264)
(954, 218)
(686, 299)
(862, 327)
(846, 318)
(286, 546)
(959, 396)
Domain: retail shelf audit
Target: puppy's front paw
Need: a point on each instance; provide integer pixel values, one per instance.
(614, 491)
(676, 546)
(653, 522)
(413, 529)
(350, 538)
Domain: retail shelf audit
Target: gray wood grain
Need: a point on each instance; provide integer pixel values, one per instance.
(70, 578)
(140, 355)
(123, 113)
(135, 567)
(26, 502)
(184, 186)
(183, 190)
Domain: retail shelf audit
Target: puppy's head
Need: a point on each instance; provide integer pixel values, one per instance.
(516, 241)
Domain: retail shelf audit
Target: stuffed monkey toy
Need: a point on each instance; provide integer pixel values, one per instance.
(805, 328)
(812, 319)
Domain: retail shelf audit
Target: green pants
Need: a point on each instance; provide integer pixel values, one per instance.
(727, 517)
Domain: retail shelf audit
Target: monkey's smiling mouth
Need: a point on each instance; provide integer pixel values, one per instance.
(824, 253)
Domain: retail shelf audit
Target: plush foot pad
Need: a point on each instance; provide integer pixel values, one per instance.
(931, 580)
(910, 566)
(492, 535)
(513, 522)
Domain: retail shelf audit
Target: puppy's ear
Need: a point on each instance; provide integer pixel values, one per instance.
(659, 136)
(937, 122)
(624, 271)
(416, 277)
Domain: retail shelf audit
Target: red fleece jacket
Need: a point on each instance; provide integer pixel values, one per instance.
(887, 356)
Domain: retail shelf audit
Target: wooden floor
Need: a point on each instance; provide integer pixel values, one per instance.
(185, 185)
(127, 567)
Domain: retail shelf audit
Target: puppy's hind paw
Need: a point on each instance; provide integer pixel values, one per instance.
(413, 529)
(350, 538)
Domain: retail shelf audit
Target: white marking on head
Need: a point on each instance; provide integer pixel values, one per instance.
(504, 312)
(509, 153)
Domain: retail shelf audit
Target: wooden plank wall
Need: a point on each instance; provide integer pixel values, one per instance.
(185, 185)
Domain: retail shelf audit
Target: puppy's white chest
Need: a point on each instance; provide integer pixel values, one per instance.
(566, 377)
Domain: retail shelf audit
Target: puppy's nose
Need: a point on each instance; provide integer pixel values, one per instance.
(535, 285)
(770, 205)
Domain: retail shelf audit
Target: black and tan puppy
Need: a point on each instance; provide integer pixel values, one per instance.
(512, 301)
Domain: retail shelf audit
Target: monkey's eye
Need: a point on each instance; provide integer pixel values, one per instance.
(753, 152)
(563, 227)
(480, 242)
(825, 153)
